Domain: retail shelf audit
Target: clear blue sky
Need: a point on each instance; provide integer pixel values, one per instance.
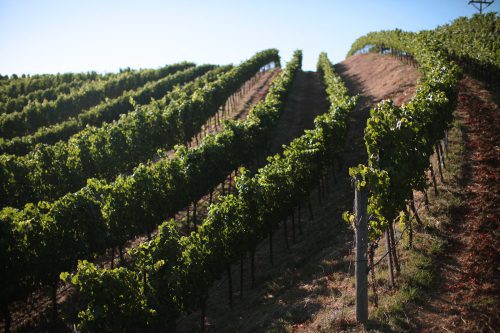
(52, 36)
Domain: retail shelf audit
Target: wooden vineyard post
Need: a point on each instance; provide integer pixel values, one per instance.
(187, 219)
(309, 207)
(410, 229)
(433, 176)
(285, 233)
(299, 222)
(414, 209)
(112, 262)
(194, 216)
(203, 315)
(389, 256)
(361, 238)
(439, 162)
(252, 267)
(393, 248)
(7, 318)
(271, 248)
(372, 269)
(426, 200)
(441, 152)
(230, 285)
(241, 276)
(446, 142)
(53, 298)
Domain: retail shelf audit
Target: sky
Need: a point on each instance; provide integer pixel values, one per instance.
(50, 36)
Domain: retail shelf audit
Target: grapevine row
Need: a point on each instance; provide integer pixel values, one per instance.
(12, 104)
(473, 43)
(37, 114)
(171, 275)
(40, 241)
(18, 86)
(400, 140)
(107, 111)
(51, 171)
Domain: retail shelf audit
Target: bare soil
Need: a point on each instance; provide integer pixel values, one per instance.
(466, 296)
(376, 77)
(306, 101)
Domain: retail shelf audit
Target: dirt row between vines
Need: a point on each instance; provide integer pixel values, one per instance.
(465, 296)
(34, 315)
(308, 288)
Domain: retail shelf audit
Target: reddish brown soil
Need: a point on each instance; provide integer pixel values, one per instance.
(376, 77)
(307, 100)
(467, 297)
(239, 108)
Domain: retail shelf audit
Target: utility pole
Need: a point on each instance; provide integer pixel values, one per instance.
(475, 3)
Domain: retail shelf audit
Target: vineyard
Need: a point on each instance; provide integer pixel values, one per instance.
(219, 198)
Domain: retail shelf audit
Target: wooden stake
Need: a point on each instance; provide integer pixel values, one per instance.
(203, 313)
(442, 154)
(372, 270)
(120, 251)
(187, 220)
(53, 297)
(361, 237)
(410, 230)
(414, 209)
(252, 267)
(389, 256)
(271, 247)
(319, 192)
(433, 176)
(112, 262)
(7, 318)
(439, 163)
(299, 218)
(393, 248)
(194, 215)
(230, 285)
(285, 233)
(241, 276)
(426, 200)
(309, 206)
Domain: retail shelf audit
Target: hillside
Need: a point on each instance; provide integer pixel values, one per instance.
(259, 197)
(308, 287)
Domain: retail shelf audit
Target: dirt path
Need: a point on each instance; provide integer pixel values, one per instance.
(467, 295)
(377, 77)
(307, 100)
(307, 288)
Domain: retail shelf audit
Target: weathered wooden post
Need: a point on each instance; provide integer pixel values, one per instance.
(361, 230)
